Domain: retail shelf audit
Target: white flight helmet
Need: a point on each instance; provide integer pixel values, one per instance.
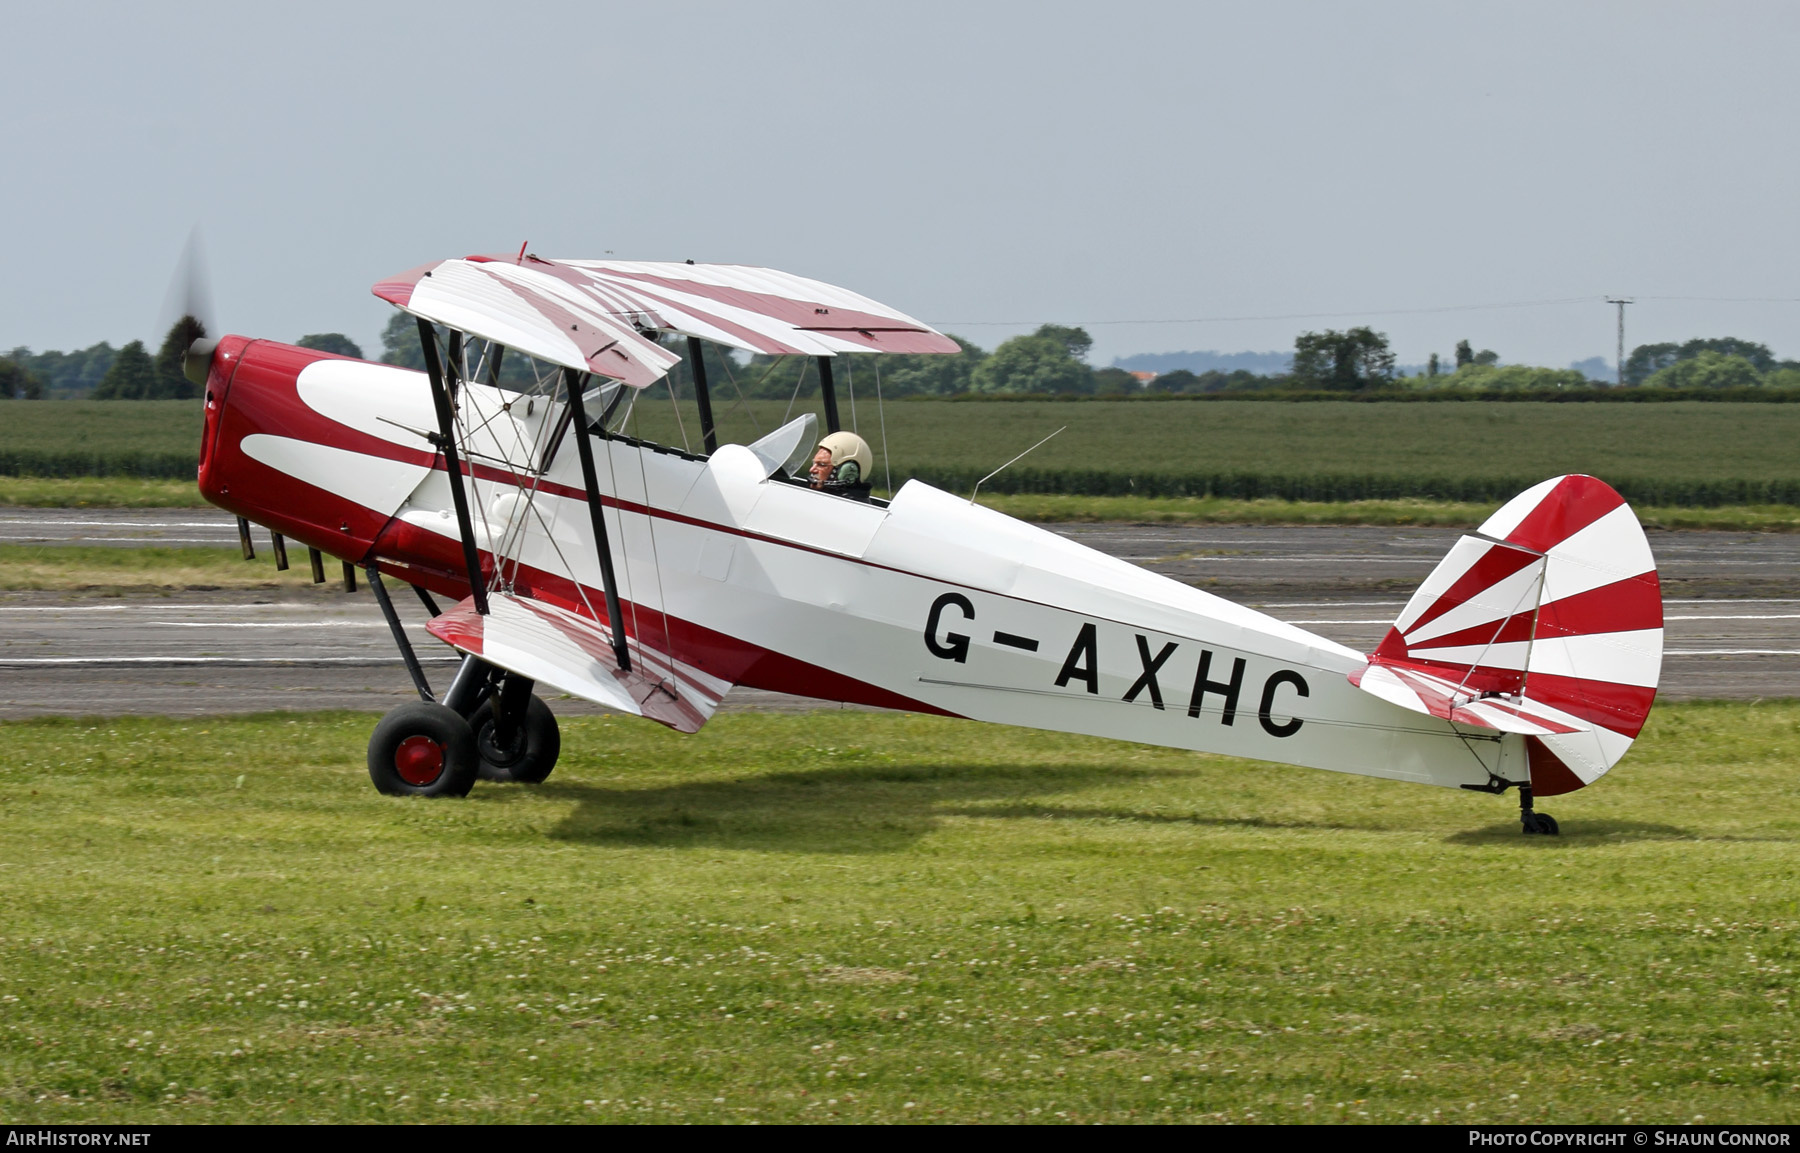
(851, 459)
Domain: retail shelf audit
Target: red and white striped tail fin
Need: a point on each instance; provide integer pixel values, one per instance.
(1548, 623)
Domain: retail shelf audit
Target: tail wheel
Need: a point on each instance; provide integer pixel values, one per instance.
(530, 754)
(423, 750)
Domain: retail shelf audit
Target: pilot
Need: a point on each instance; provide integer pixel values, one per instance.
(840, 465)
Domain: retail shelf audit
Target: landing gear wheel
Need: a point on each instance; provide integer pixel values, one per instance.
(1540, 823)
(532, 752)
(423, 750)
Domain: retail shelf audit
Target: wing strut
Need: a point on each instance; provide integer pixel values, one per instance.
(446, 440)
(413, 669)
(572, 383)
(708, 434)
(829, 391)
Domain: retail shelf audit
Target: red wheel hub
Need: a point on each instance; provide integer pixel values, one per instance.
(419, 760)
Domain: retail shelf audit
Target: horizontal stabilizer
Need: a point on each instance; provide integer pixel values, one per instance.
(571, 652)
(1548, 623)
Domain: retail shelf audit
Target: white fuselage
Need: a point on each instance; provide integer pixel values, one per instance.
(931, 598)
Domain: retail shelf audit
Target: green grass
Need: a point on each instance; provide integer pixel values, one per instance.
(1052, 508)
(1683, 453)
(103, 426)
(98, 492)
(1690, 441)
(109, 569)
(880, 917)
(129, 492)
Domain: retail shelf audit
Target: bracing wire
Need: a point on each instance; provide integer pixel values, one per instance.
(1500, 627)
(744, 401)
(887, 465)
(676, 405)
(624, 552)
(662, 599)
(796, 396)
(850, 383)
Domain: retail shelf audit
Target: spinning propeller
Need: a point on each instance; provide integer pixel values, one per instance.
(189, 302)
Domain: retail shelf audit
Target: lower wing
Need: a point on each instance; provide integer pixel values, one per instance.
(569, 651)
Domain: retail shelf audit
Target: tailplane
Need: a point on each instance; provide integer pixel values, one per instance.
(1547, 622)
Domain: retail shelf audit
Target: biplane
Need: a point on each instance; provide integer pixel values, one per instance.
(652, 580)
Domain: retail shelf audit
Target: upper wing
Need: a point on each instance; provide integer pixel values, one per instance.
(757, 309)
(568, 651)
(600, 316)
(538, 309)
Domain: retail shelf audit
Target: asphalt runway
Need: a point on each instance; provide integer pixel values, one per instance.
(1732, 607)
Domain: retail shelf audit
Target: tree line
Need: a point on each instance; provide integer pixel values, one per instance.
(1050, 361)
(102, 372)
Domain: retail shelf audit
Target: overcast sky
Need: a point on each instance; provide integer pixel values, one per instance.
(985, 167)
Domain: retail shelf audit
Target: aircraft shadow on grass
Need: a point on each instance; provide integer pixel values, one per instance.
(1197, 820)
(841, 810)
(1581, 834)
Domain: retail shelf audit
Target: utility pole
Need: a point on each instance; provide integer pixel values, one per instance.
(1621, 301)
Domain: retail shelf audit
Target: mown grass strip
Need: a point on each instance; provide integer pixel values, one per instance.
(107, 569)
(878, 917)
(99, 492)
(1050, 509)
(1045, 508)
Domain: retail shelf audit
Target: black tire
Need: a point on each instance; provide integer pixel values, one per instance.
(537, 744)
(423, 749)
(1542, 824)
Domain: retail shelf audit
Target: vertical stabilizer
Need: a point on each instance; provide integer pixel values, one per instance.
(1546, 623)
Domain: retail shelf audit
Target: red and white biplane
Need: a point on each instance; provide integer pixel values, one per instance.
(651, 580)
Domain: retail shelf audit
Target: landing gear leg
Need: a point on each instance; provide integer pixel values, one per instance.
(516, 734)
(1534, 822)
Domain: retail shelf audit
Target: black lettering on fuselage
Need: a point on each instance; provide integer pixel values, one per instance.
(1227, 689)
(1292, 725)
(954, 646)
(1083, 661)
(1147, 679)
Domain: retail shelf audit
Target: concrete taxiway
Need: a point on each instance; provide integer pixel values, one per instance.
(1733, 615)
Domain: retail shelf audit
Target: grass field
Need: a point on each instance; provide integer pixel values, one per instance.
(1684, 440)
(98, 492)
(1687, 453)
(103, 426)
(101, 568)
(880, 917)
(130, 492)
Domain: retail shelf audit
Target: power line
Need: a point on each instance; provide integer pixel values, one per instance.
(1729, 299)
(1285, 315)
(1546, 303)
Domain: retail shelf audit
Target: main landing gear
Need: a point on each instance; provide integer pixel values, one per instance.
(489, 726)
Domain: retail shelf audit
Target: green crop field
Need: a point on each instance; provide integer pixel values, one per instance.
(854, 916)
(1689, 440)
(1674, 454)
(1685, 454)
(153, 438)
